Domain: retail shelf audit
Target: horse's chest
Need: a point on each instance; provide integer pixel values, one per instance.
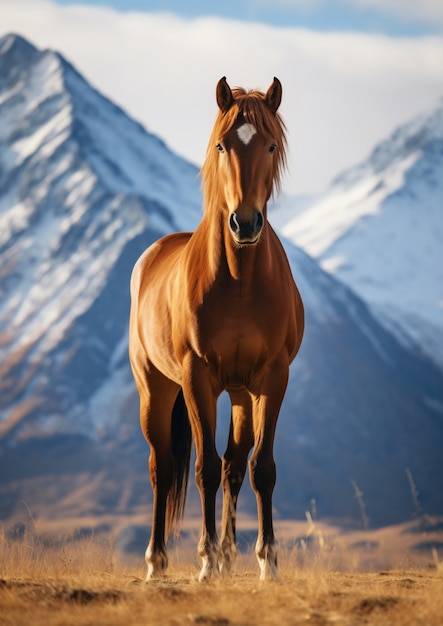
(236, 345)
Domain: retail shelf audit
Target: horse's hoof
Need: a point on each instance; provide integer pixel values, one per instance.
(209, 570)
(269, 571)
(153, 574)
(267, 560)
(226, 562)
(157, 563)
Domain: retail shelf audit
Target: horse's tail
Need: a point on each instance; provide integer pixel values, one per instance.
(181, 440)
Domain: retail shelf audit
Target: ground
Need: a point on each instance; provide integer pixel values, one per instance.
(388, 597)
(326, 579)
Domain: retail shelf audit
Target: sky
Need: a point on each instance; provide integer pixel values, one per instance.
(394, 17)
(352, 70)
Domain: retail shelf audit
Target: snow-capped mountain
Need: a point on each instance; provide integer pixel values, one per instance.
(379, 228)
(77, 177)
(83, 190)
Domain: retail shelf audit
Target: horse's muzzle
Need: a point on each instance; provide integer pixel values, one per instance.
(246, 231)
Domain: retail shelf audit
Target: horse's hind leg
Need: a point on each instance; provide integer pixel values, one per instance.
(235, 459)
(156, 403)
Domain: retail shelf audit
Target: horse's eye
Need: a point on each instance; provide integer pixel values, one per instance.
(220, 147)
(272, 148)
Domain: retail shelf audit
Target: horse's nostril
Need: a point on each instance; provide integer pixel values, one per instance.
(234, 223)
(258, 221)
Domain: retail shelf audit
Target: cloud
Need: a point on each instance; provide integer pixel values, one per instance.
(342, 92)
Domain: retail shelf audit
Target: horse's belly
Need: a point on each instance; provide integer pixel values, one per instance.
(157, 338)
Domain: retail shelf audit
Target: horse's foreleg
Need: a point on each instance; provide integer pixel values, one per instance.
(262, 466)
(233, 471)
(207, 477)
(262, 474)
(201, 402)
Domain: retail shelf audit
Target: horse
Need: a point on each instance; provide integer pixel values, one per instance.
(211, 311)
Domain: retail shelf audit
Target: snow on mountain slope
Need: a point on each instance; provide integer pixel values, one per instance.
(83, 191)
(379, 228)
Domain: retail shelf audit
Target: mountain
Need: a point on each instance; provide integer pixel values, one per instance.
(83, 190)
(77, 177)
(379, 229)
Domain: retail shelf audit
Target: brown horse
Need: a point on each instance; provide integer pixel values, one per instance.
(218, 310)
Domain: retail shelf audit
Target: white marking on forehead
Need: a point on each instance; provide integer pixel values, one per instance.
(245, 133)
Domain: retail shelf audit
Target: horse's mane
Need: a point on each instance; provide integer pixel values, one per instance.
(251, 106)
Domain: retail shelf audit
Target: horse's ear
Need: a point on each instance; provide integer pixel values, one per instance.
(225, 98)
(273, 95)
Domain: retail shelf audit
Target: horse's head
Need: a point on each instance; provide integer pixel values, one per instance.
(245, 158)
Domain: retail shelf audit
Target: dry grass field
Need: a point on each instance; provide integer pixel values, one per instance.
(328, 577)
